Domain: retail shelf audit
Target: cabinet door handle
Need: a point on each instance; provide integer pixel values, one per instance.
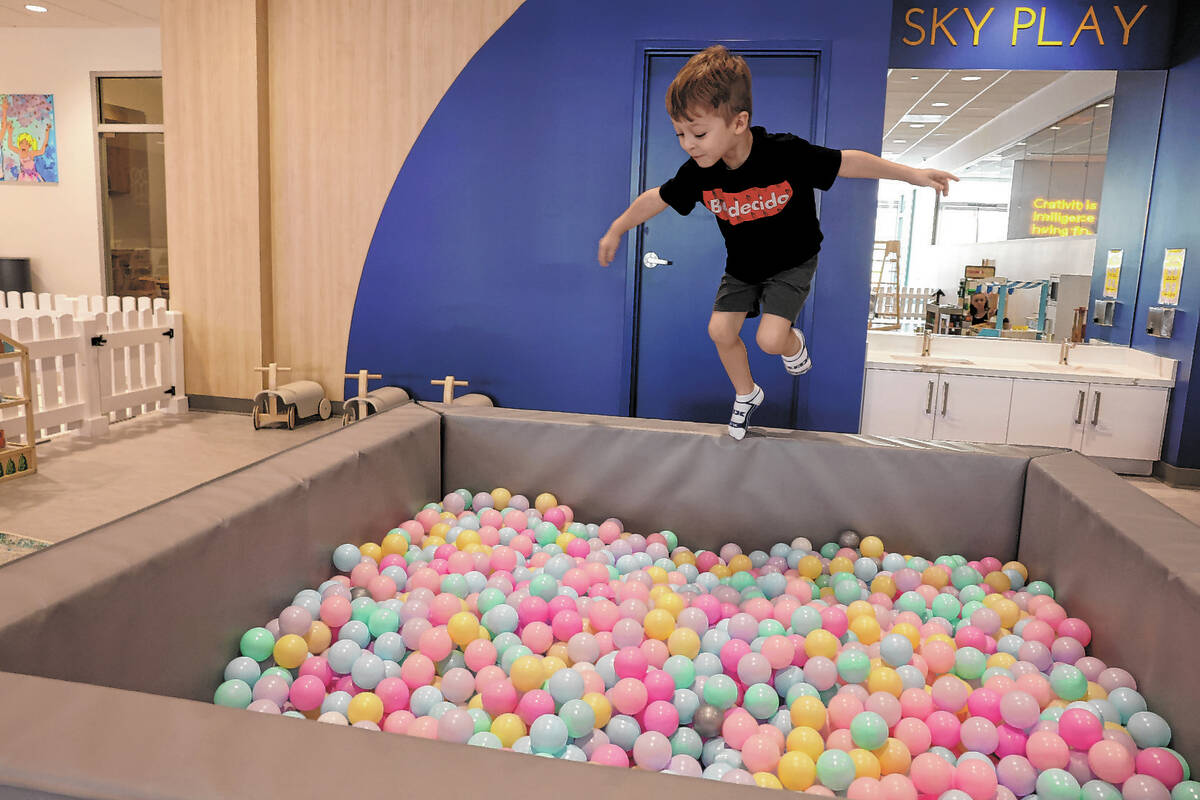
(1096, 411)
(929, 399)
(1082, 400)
(945, 397)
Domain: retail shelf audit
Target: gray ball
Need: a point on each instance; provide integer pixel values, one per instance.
(359, 591)
(707, 720)
(849, 539)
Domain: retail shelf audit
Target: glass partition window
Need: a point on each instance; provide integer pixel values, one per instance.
(132, 185)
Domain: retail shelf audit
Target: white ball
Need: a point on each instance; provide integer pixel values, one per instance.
(800, 543)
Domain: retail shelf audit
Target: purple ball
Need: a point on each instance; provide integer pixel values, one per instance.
(1115, 677)
(743, 626)
(1037, 654)
(295, 620)
(1090, 667)
(454, 503)
(728, 551)
(652, 751)
(684, 764)
(272, 687)
(1143, 787)
(694, 618)
(456, 725)
(264, 706)
(1066, 650)
(1017, 774)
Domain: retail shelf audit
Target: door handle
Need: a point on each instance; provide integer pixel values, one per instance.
(945, 397)
(651, 260)
(929, 399)
(1096, 411)
(1082, 400)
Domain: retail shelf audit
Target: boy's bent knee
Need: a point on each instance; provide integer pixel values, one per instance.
(773, 343)
(722, 333)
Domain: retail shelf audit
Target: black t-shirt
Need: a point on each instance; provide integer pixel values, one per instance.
(764, 208)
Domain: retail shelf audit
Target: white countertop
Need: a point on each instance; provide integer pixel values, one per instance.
(1008, 358)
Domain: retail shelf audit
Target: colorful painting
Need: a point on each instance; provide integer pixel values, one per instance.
(28, 148)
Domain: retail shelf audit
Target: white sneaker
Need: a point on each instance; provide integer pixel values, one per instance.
(799, 363)
(742, 409)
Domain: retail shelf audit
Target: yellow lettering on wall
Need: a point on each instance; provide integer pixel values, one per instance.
(1128, 26)
(977, 27)
(908, 21)
(1020, 26)
(1083, 26)
(941, 23)
(1042, 42)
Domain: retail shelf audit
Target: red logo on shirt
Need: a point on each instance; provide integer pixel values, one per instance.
(737, 207)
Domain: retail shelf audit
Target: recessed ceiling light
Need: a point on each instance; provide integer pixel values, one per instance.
(35, 9)
(899, 141)
(915, 78)
(1020, 143)
(940, 105)
(1102, 105)
(972, 77)
(1056, 127)
(916, 124)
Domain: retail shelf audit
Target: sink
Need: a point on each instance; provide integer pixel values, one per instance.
(932, 360)
(1074, 369)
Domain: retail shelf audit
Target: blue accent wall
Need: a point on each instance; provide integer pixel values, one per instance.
(1172, 223)
(483, 263)
(1128, 173)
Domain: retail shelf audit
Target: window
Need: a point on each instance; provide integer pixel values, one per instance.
(129, 128)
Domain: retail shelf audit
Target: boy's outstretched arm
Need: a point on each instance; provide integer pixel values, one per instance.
(643, 208)
(859, 164)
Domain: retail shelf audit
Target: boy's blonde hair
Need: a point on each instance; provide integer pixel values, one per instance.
(713, 78)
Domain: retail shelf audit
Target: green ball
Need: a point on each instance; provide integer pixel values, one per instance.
(1040, 587)
(1099, 790)
(853, 666)
(962, 577)
(257, 643)
(672, 539)
(686, 741)
(741, 580)
(432, 507)
(869, 730)
(682, 670)
(969, 608)
(946, 561)
(1058, 784)
(911, 601)
(822, 581)
(946, 607)
(801, 689)
(1187, 770)
(456, 585)
(972, 594)
(761, 701)
(234, 693)
(969, 663)
(383, 620)
(829, 549)
(467, 497)
(835, 770)
(1068, 682)
(720, 691)
(1186, 790)
(546, 532)
(483, 720)
(771, 627)
(361, 609)
(544, 586)
(918, 563)
(846, 592)
(280, 671)
(489, 598)
(579, 717)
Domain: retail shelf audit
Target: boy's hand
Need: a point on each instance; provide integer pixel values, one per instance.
(934, 178)
(608, 248)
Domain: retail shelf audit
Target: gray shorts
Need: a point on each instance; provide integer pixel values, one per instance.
(783, 294)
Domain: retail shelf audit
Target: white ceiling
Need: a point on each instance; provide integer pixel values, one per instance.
(81, 14)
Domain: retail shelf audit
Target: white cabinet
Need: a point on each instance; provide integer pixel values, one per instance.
(1049, 413)
(899, 403)
(972, 409)
(927, 405)
(1125, 421)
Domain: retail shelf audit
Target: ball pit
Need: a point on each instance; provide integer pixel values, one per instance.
(846, 669)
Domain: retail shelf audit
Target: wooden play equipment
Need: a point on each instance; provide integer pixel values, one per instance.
(448, 383)
(288, 403)
(885, 286)
(367, 403)
(17, 459)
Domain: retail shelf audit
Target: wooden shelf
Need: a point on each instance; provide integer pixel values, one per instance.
(15, 453)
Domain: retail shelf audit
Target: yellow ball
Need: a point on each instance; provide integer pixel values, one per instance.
(940, 637)
(767, 781)
(527, 673)
(476, 701)
(508, 728)
(552, 664)
(883, 584)
(683, 556)
(657, 574)
(909, 632)
(601, 707)
(720, 570)
(1004, 660)
(859, 608)
(840, 564)
(871, 547)
(394, 544)
(371, 550)
(466, 538)
(447, 516)
(658, 624)
(1019, 567)
(475, 548)
(544, 502)
(1095, 691)
(564, 539)
(1009, 611)
(796, 771)
(434, 541)
(998, 581)
(866, 765)
(935, 576)
(894, 757)
(740, 563)
(463, 628)
(318, 638)
(885, 679)
(501, 498)
(866, 629)
(439, 531)
(559, 650)
(365, 705)
(821, 643)
(808, 711)
(809, 567)
(806, 740)
(290, 651)
(827, 594)
(683, 642)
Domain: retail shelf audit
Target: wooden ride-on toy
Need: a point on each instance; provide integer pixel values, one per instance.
(365, 403)
(448, 383)
(288, 403)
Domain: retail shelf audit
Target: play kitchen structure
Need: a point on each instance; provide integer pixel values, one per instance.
(885, 286)
(288, 403)
(365, 403)
(17, 459)
(448, 383)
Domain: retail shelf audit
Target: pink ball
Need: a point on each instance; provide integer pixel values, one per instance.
(627, 633)
(423, 728)
(753, 668)
(865, 788)
(931, 774)
(843, 708)
(479, 654)
(738, 727)
(985, 703)
(1036, 685)
(1011, 741)
(914, 734)
(897, 787)
(393, 692)
(610, 755)
(656, 652)
(979, 734)
(975, 777)
(841, 739)
(779, 651)
(1144, 787)
(435, 643)
(1047, 750)
(659, 686)
(1077, 629)
(1160, 764)
(661, 717)
(458, 685)
(916, 703)
(886, 706)
(1090, 667)
(456, 725)
(363, 572)
(537, 636)
(760, 753)
(335, 611)
(821, 672)
(1114, 678)
(1020, 709)
(428, 518)
(1080, 729)
(652, 751)
(944, 729)
(628, 696)
(307, 692)
(318, 667)
(834, 620)
(417, 671)
(630, 662)
(499, 697)
(950, 693)
(534, 704)
(732, 653)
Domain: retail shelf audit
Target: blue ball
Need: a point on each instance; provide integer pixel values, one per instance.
(685, 741)
(501, 619)
(607, 670)
(895, 650)
(805, 620)
(355, 631)
(713, 640)
(342, 655)
(243, 668)
(573, 753)
(623, 731)
(686, 702)
(1149, 729)
(893, 562)
(390, 647)
(716, 771)
(346, 557)
(1127, 702)
(367, 671)
(566, 684)
(578, 716)
(523, 745)
(486, 739)
(783, 721)
(728, 756)
(423, 699)
(336, 701)
(710, 750)
(439, 709)
(504, 641)
(309, 600)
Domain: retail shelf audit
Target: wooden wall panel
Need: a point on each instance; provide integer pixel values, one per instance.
(217, 189)
(352, 84)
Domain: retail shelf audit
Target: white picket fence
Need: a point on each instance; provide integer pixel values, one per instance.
(92, 361)
(912, 302)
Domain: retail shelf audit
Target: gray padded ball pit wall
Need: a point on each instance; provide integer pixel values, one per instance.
(102, 635)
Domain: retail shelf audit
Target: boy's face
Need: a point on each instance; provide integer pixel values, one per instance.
(707, 137)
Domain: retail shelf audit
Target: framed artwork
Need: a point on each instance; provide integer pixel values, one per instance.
(28, 146)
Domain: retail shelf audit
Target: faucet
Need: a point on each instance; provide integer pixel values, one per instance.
(1062, 351)
(925, 339)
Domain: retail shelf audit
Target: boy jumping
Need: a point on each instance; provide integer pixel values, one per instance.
(757, 184)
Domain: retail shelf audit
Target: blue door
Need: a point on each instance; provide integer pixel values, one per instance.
(675, 368)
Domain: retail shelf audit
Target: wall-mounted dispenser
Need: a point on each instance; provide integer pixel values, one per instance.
(1104, 312)
(1161, 321)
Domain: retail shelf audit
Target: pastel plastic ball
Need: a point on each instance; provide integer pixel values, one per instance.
(1149, 729)
(976, 777)
(652, 751)
(548, 734)
(365, 706)
(1057, 784)
(234, 693)
(798, 771)
(931, 774)
(835, 770)
(257, 643)
(869, 730)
